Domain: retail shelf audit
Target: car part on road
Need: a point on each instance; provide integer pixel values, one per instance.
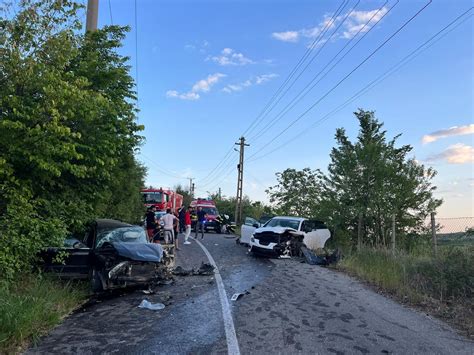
(237, 296)
(153, 306)
(313, 259)
(204, 270)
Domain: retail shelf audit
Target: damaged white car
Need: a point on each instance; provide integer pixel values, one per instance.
(284, 236)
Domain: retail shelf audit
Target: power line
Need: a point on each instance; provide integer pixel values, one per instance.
(302, 93)
(231, 163)
(309, 63)
(292, 73)
(400, 64)
(136, 47)
(296, 67)
(221, 162)
(344, 78)
(110, 11)
(161, 170)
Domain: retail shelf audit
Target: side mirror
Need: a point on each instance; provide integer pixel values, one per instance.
(77, 245)
(255, 225)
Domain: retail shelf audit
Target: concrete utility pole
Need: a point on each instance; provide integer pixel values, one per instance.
(240, 181)
(92, 15)
(220, 194)
(191, 187)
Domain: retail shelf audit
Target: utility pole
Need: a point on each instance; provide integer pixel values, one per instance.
(191, 187)
(220, 194)
(92, 15)
(240, 181)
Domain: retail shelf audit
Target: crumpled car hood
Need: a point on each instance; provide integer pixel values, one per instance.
(277, 230)
(149, 252)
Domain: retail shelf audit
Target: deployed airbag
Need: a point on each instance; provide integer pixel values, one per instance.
(140, 251)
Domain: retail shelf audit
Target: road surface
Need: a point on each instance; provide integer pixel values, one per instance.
(291, 307)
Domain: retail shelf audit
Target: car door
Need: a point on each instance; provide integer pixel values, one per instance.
(73, 263)
(247, 229)
(316, 234)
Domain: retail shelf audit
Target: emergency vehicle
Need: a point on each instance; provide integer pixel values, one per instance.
(209, 207)
(161, 198)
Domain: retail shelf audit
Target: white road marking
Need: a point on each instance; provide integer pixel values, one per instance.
(231, 336)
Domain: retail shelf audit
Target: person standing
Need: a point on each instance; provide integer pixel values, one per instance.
(182, 224)
(187, 222)
(169, 220)
(201, 219)
(151, 222)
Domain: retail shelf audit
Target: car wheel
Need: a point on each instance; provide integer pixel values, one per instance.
(96, 282)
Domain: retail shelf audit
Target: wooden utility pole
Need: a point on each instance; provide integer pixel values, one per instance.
(92, 15)
(240, 181)
(393, 233)
(433, 234)
(359, 232)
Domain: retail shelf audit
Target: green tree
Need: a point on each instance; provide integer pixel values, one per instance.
(68, 130)
(297, 192)
(187, 198)
(376, 179)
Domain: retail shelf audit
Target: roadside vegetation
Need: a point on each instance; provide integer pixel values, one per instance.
(442, 286)
(33, 305)
(68, 138)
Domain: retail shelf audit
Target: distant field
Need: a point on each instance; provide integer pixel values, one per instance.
(455, 239)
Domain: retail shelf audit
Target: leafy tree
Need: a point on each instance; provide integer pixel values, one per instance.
(187, 198)
(373, 178)
(297, 192)
(68, 130)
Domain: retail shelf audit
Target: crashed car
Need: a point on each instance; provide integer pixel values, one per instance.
(284, 236)
(112, 255)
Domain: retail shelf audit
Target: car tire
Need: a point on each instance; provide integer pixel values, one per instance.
(96, 282)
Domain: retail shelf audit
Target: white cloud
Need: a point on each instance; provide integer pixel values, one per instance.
(229, 56)
(258, 80)
(455, 154)
(287, 36)
(203, 85)
(357, 19)
(186, 96)
(449, 132)
(355, 22)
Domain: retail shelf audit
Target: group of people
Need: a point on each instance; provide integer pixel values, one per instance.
(174, 223)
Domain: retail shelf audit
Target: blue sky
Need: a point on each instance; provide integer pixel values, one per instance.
(206, 69)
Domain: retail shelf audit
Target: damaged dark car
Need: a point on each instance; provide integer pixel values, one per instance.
(111, 255)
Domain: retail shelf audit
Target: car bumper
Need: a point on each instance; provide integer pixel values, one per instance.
(269, 249)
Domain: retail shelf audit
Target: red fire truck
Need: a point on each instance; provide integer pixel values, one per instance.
(162, 199)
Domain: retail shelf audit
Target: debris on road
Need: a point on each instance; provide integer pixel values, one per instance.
(204, 270)
(148, 292)
(236, 296)
(153, 306)
(313, 259)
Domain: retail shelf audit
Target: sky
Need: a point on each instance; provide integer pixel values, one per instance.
(206, 70)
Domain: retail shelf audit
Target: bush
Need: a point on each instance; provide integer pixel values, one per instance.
(32, 305)
(450, 276)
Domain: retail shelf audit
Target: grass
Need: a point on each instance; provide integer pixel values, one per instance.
(31, 306)
(443, 286)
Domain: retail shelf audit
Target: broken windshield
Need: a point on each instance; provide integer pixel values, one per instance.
(125, 235)
(281, 222)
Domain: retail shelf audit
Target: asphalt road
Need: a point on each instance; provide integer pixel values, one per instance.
(291, 307)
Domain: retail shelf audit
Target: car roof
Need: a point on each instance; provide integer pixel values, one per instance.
(103, 224)
(289, 217)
